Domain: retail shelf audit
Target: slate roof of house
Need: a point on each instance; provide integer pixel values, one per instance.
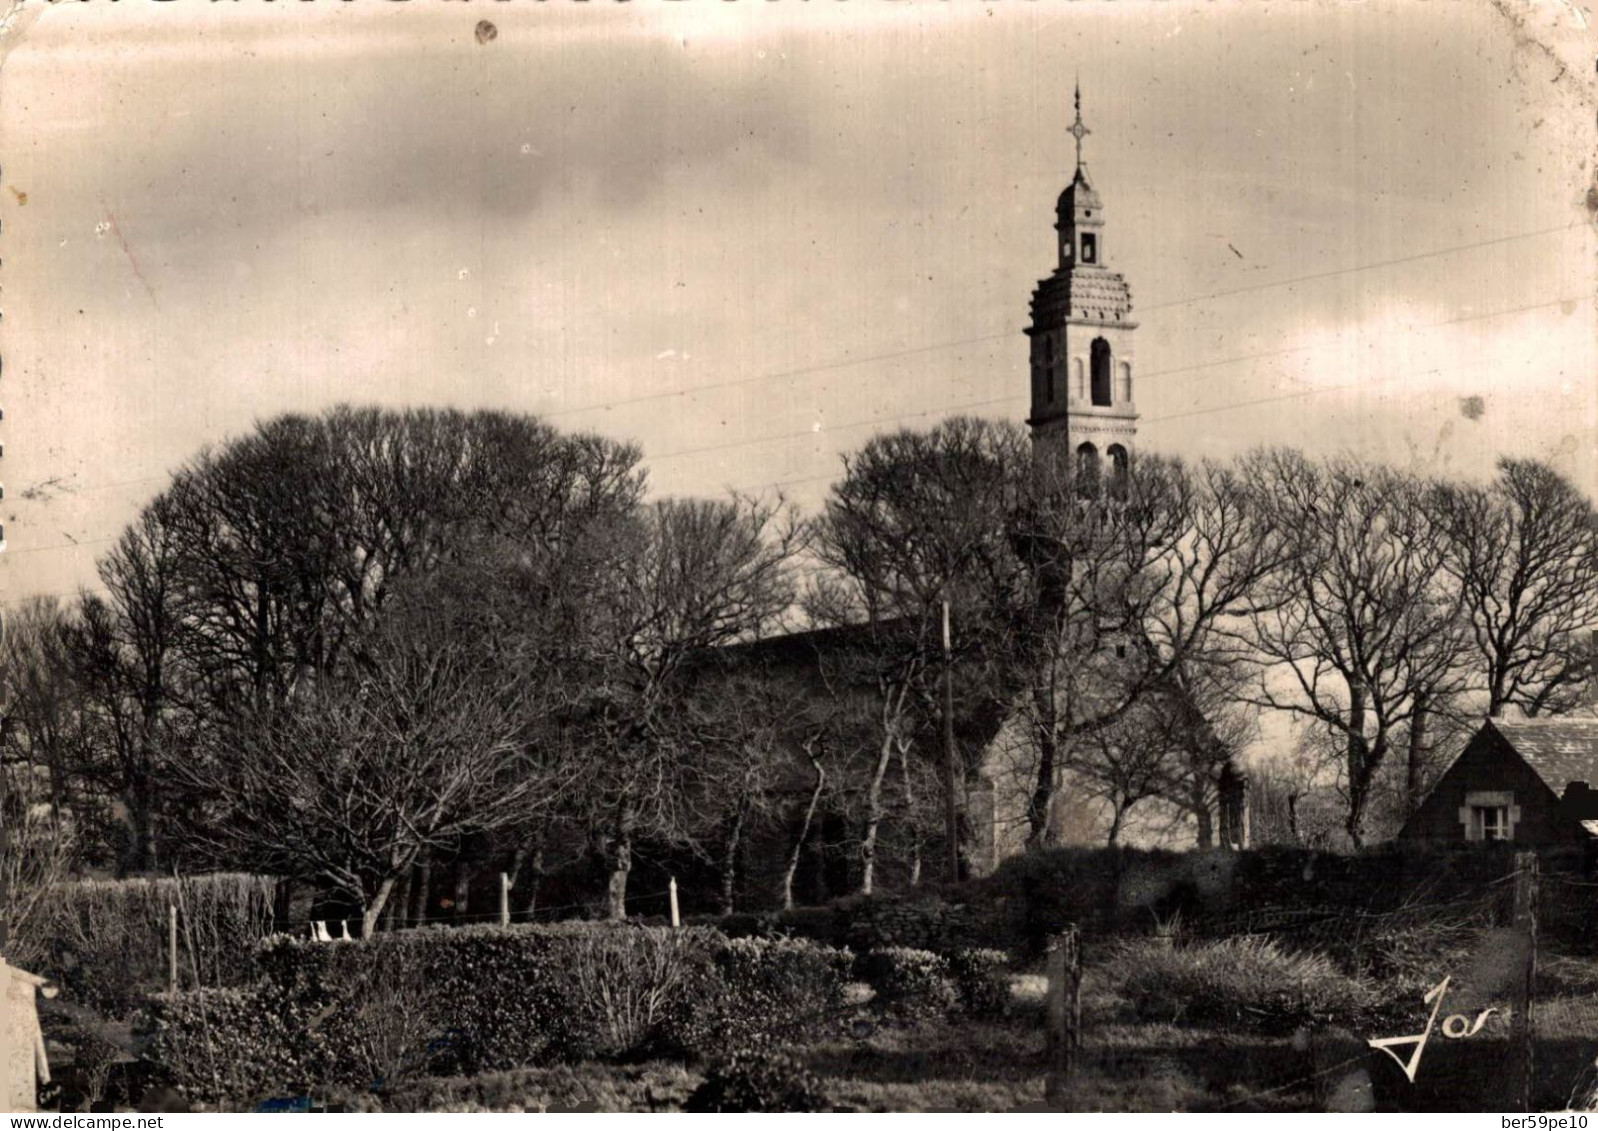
(1559, 750)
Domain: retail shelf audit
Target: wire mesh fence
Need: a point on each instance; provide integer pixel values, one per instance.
(1477, 999)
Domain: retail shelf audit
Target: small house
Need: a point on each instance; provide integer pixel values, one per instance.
(1529, 781)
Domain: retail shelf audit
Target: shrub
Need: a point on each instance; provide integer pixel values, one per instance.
(1249, 981)
(758, 1081)
(512, 996)
(225, 1045)
(909, 982)
(370, 1013)
(1104, 890)
(982, 979)
(1404, 955)
(107, 939)
(617, 988)
(779, 988)
(739, 924)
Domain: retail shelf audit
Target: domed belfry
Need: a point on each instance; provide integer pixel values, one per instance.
(1081, 335)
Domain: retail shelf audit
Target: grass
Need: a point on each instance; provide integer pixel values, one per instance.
(1250, 983)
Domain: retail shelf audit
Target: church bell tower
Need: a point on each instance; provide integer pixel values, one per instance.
(1081, 335)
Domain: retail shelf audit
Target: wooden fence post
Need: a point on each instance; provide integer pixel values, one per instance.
(504, 899)
(1064, 1014)
(671, 889)
(1521, 1075)
(172, 947)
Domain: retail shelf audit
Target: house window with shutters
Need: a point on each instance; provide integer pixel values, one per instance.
(1489, 815)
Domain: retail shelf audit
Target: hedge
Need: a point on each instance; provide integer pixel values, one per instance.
(373, 1013)
(779, 988)
(982, 977)
(760, 1081)
(107, 938)
(862, 923)
(909, 982)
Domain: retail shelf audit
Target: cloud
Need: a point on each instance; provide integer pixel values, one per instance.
(1424, 347)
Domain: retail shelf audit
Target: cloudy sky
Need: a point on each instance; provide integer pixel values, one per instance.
(748, 235)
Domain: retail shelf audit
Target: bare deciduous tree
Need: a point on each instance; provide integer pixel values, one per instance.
(1123, 764)
(1134, 592)
(1362, 624)
(918, 522)
(1524, 552)
(745, 720)
(43, 697)
(682, 578)
(42, 852)
(352, 779)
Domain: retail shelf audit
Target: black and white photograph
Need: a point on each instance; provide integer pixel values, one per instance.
(807, 556)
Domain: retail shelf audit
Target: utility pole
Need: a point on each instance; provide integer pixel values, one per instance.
(5, 826)
(5, 839)
(951, 805)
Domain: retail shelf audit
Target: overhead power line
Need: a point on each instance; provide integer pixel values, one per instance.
(934, 347)
(987, 403)
(937, 346)
(1230, 406)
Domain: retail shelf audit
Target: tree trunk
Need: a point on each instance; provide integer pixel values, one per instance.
(1359, 788)
(1041, 804)
(1358, 764)
(796, 851)
(533, 863)
(424, 890)
(1355, 825)
(1292, 818)
(400, 903)
(952, 775)
(137, 799)
(58, 787)
(1496, 699)
(910, 814)
(374, 909)
(282, 904)
(463, 889)
(535, 872)
(1201, 811)
(731, 842)
(1417, 756)
(1117, 816)
(621, 862)
(874, 814)
(616, 889)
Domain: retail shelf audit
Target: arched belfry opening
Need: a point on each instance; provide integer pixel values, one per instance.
(1120, 468)
(1087, 469)
(1100, 376)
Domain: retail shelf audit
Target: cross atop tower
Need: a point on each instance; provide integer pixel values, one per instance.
(1081, 331)
(1078, 130)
